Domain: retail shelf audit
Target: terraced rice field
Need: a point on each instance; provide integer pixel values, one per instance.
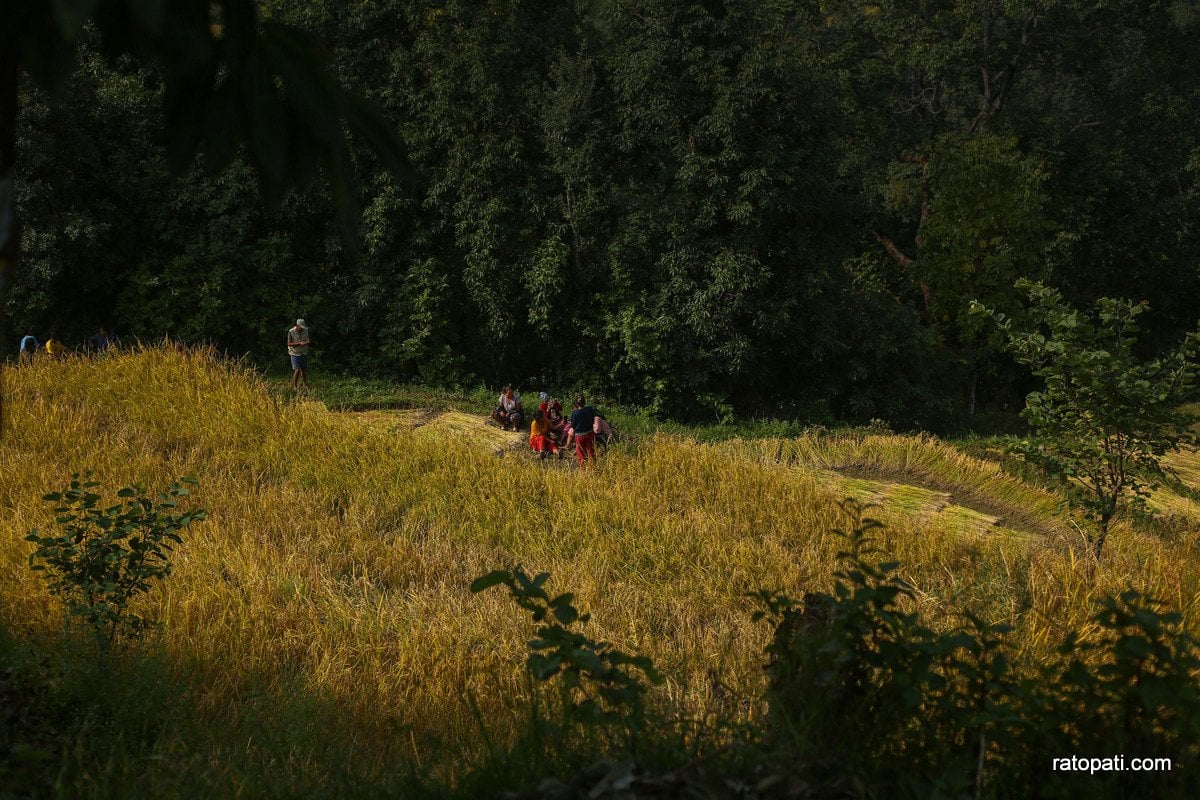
(327, 591)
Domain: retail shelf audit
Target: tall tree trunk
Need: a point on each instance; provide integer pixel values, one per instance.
(1102, 537)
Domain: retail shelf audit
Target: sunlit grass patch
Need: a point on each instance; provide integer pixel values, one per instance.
(471, 429)
(339, 548)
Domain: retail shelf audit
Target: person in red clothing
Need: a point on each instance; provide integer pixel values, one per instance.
(552, 411)
(582, 420)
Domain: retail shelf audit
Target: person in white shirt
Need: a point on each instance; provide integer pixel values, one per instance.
(509, 414)
(297, 345)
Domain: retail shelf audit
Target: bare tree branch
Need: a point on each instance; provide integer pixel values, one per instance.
(996, 88)
(904, 261)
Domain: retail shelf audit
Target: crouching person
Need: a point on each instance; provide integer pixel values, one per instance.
(603, 431)
(553, 412)
(508, 414)
(541, 436)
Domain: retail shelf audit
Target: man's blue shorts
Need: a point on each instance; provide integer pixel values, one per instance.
(299, 362)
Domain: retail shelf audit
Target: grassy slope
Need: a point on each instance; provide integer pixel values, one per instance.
(319, 625)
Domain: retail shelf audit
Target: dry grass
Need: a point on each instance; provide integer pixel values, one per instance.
(340, 558)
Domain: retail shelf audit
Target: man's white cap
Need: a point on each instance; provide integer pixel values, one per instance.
(300, 324)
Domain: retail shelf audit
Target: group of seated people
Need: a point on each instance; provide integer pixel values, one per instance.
(551, 432)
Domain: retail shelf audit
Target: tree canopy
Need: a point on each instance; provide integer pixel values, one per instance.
(777, 207)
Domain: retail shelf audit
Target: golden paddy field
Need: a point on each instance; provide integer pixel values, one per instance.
(339, 546)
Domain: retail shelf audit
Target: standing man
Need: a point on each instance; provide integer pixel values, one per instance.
(583, 418)
(298, 342)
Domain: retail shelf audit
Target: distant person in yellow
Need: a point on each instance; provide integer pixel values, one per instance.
(55, 348)
(297, 343)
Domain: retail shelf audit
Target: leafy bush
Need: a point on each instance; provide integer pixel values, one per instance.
(862, 689)
(598, 684)
(102, 557)
(854, 663)
(1105, 417)
(1133, 687)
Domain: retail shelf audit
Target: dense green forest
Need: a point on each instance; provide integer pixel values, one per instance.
(780, 206)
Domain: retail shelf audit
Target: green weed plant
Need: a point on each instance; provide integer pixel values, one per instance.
(598, 684)
(101, 558)
(867, 692)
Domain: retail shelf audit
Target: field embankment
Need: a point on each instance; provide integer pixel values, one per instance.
(327, 591)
